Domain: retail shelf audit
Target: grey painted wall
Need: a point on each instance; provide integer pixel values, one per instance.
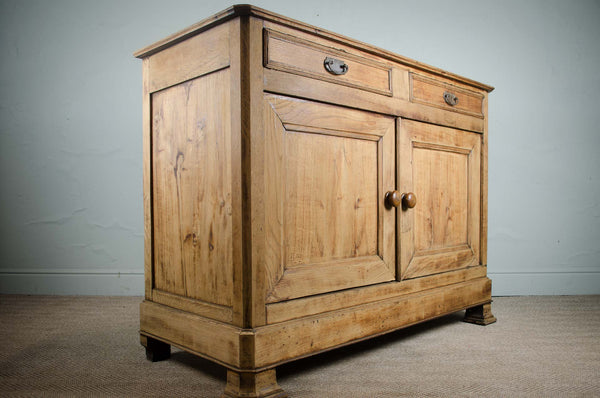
(70, 130)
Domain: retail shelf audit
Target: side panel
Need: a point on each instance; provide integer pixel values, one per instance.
(192, 189)
(190, 148)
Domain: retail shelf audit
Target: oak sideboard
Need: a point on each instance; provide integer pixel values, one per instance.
(302, 191)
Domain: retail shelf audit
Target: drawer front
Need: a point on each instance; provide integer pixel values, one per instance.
(302, 57)
(442, 95)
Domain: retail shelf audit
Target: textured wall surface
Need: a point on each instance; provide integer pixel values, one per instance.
(70, 130)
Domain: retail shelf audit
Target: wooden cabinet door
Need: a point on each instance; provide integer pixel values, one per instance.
(327, 170)
(441, 166)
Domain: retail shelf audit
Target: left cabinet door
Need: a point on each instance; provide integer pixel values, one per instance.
(327, 170)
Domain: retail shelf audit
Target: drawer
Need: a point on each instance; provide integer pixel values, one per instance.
(442, 95)
(302, 57)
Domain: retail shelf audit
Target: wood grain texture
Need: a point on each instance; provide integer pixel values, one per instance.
(267, 233)
(214, 340)
(331, 203)
(298, 308)
(192, 189)
(275, 197)
(253, 385)
(194, 30)
(442, 167)
(330, 118)
(327, 168)
(253, 174)
(299, 28)
(292, 54)
(237, 103)
(257, 144)
(282, 342)
(329, 276)
(319, 41)
(400, 83)
(304, 87)
(197, 56)
(198, 307)
(484, 185)
(431, 92)
(147, 183)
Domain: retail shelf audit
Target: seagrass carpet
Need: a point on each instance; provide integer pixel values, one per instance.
(88, 346)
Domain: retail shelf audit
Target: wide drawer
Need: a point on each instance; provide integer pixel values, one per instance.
(443, 95)
(303, 57)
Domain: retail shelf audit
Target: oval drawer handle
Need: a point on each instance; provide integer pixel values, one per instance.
(450, 98)
(335, 66)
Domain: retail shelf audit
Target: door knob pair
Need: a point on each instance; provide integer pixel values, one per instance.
(395, 199)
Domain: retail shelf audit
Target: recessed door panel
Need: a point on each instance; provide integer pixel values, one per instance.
(331, 198)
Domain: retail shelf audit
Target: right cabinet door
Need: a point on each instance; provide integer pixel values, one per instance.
(442, 168)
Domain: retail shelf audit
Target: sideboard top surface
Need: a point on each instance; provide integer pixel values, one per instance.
(246, 10)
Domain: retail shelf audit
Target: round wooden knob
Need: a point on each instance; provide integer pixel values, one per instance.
(409, 200)
(393, 198)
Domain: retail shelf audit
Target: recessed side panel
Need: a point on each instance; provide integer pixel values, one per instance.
(191, 188)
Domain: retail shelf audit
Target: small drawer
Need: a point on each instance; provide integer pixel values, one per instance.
(442, 95)
(302, 57)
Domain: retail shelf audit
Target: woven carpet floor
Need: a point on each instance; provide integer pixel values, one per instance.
(89, 346)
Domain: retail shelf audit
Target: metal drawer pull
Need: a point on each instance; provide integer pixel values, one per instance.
(450, 98)
(335, 66)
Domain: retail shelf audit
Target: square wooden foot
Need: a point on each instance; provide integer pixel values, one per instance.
(480, 315)
(253, 385)
(156, 350)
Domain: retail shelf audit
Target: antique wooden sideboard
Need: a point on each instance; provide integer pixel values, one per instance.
(303, 191)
